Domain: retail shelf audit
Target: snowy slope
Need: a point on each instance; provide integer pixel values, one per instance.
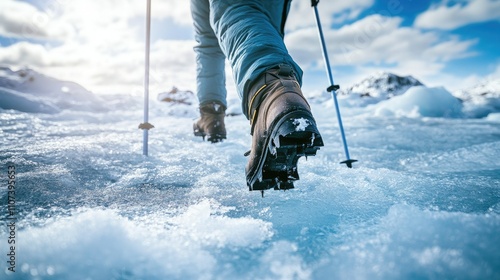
(29, 91)
(486, 89)
(26, 86)
(481, 99)
(30, 81)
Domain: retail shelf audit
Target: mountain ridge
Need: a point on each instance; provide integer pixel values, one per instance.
(382, 85)
(28, 87)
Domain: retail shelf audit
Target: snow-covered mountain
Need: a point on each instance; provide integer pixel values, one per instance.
(30, 91)
(481, 99)
(488, 89)
(382, 86)
(30, 81)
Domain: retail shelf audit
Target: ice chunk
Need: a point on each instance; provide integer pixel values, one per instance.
(422, 101)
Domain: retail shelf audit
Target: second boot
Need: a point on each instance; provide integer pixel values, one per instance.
(211, 122)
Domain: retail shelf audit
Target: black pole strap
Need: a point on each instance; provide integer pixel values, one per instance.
(332, 88)
(314, 3)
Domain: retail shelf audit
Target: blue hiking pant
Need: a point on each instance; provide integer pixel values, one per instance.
(249, 33)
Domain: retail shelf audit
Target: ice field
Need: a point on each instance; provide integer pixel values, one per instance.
(423, 202)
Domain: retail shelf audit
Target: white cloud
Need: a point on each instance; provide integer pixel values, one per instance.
(449, 50)
(378, 43)
(22, 20)
(450, 17)
(100, 44)
(379, 40)
(348, 45)
(24, 54)
(302, 14)
(172, 63)
(85, 20)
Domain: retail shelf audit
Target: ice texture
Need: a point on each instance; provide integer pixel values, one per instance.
(423, 202)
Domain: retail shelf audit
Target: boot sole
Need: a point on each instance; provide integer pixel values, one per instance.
(294, 136)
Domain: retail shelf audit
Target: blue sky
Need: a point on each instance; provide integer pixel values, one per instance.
(100, 44)
(485, 31)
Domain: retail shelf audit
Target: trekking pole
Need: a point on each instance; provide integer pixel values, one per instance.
(146, 126)
(333, 87)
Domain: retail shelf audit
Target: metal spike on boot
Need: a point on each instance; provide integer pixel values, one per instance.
(283, 130)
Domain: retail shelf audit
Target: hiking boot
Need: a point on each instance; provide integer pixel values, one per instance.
(283, 130)
(211, 122)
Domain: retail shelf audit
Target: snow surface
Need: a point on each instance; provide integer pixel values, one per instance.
(423, 202)
(301, 124)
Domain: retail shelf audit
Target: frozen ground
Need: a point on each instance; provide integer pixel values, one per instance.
(423, 202)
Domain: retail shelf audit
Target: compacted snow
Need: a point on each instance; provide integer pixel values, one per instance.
(423, 202)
